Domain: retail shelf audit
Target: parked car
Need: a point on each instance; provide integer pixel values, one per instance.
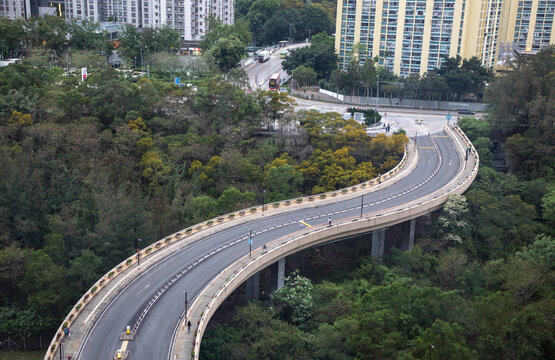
(466, 112)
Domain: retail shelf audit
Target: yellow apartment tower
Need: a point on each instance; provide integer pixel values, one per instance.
(415, 36)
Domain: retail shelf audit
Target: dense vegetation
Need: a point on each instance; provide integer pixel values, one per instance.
(478, 285)
(88, 168)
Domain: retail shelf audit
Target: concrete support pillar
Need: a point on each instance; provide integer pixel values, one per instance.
(253, 287)
(277, 273)
(407, 240)
(378, 241)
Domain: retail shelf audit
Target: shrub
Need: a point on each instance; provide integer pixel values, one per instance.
(168, 240)
(188, 230)
(323, 196)
(157, 245)
(344, 191)
(128, 261)
(231, 216)
(64, 325)
(210, 222)
(299, 200)
(93, 289)
(111, 274)
(148, 250)
(242, 213)
(253, 210)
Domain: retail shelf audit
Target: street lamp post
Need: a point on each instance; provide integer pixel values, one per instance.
(138, 251)
(263, 194)
(361, 205)
(250, 243)
(378, 92)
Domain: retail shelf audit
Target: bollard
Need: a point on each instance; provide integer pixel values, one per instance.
(128, 330)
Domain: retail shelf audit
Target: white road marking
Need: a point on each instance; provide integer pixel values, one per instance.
(143, 289)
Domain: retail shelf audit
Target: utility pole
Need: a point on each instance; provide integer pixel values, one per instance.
(290, 25)
(361, 205)
(309, 32)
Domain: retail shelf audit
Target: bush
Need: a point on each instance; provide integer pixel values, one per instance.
(148, 250)
(371, 116)
(111, 274)
(168, 240)
(210, 222)
(93, 289)
(299, 200)
(78, 307)
(231, 216)
(128, 261)
(323, 196)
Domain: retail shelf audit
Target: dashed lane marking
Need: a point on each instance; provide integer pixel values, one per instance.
(426, 147)
(305, 224)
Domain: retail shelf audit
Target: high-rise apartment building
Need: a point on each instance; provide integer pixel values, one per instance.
(415, 36)
(18, 9)
(189, 17)
(15, 9)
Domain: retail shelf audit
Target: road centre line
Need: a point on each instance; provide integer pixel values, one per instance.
(304, 223)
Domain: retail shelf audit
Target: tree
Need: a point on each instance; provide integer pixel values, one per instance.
(320, 56)
(451, 223)
(259, 12)
(71, 102)
(86, 35)
(368, 75)
(163, 39)
(217, 30)
(304, 75)
(443, 341)
(283, 182)
(227, 52)
(131, 43)
(295, 298)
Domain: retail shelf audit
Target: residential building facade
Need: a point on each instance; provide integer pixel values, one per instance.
(415, 36)
(189, 17)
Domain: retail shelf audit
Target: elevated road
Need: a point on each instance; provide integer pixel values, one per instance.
(191, 261)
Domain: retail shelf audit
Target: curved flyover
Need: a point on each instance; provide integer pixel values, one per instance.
(210, 260)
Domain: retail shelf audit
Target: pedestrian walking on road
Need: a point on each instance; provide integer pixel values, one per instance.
(66, 332)
(189, 326)
(329, 221)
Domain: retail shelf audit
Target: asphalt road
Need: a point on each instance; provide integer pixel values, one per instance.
(152, 340)
(259, 73)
